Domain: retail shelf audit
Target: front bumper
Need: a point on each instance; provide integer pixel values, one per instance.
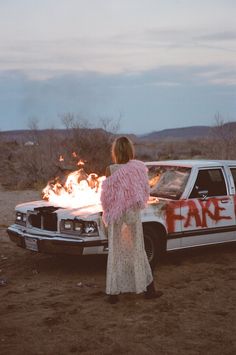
(56, 244)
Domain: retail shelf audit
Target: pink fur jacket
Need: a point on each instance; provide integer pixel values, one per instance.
(126, 188)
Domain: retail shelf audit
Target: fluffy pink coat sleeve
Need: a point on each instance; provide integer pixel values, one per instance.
(126, 188)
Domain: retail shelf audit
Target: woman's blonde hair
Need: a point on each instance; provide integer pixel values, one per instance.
(122, 150)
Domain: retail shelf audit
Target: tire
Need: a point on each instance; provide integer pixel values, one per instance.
(154, 243)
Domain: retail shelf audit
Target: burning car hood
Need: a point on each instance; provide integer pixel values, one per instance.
(62, 212)
(89, 212)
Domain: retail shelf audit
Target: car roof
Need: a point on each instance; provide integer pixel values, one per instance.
(193, 163)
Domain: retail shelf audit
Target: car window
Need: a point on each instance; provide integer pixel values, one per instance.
(168, 181)
(211, 181)
(233, 172)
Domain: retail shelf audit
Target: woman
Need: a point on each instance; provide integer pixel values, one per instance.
(124, 193)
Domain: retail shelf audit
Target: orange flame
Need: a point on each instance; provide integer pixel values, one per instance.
(80, 162)
(79, 190)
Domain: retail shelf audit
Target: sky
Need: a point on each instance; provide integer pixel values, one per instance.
(149, 64)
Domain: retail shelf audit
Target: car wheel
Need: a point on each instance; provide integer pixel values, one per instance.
(153, 245)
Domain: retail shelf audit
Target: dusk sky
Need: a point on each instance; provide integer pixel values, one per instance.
(156, 64)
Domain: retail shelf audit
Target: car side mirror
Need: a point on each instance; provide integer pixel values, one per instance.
(203, 194)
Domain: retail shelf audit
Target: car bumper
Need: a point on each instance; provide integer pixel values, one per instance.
(56, 244)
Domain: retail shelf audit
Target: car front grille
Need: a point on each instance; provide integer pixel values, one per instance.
(44, 218)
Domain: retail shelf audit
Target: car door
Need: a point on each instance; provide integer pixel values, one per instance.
(208, 214)
(232, 177)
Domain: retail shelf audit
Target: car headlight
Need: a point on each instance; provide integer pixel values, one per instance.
(79, 227)
(20, 218)
(68, 225)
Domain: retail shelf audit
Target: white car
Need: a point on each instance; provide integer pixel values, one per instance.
(192, 203)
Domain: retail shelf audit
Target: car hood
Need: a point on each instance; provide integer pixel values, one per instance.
(86, 212)
(90, 212)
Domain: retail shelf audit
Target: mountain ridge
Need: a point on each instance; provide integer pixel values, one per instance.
(184, 133)
(180, 132)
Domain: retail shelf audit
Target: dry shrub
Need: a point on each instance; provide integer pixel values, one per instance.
(92, 145)
(26, 166)
(30, 166)
(169, 150)
(23, 166)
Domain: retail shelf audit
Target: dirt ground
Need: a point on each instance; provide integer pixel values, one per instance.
(56, 305)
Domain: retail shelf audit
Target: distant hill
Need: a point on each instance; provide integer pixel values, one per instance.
(184, 133)
(192, 132)
(23, 136)
(179, 133)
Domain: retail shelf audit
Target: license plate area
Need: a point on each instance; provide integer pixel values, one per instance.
(31, 244)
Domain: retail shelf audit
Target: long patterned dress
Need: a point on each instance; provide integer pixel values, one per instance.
(128, 269)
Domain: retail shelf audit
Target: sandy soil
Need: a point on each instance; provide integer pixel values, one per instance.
(56, 305)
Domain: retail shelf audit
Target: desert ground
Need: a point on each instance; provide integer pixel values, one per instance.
(56, 305)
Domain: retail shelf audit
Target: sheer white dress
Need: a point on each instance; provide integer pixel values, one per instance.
(128, 269)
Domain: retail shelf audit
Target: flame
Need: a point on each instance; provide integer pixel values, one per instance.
(80, 162)
(79, 190)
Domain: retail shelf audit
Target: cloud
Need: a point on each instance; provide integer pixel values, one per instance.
(177, 94)
(219, 36)
(219, 76)
(137, 50)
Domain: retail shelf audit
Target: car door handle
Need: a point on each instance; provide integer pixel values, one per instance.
(224, 200)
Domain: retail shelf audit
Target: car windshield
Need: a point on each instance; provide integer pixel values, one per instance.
(167, 181)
